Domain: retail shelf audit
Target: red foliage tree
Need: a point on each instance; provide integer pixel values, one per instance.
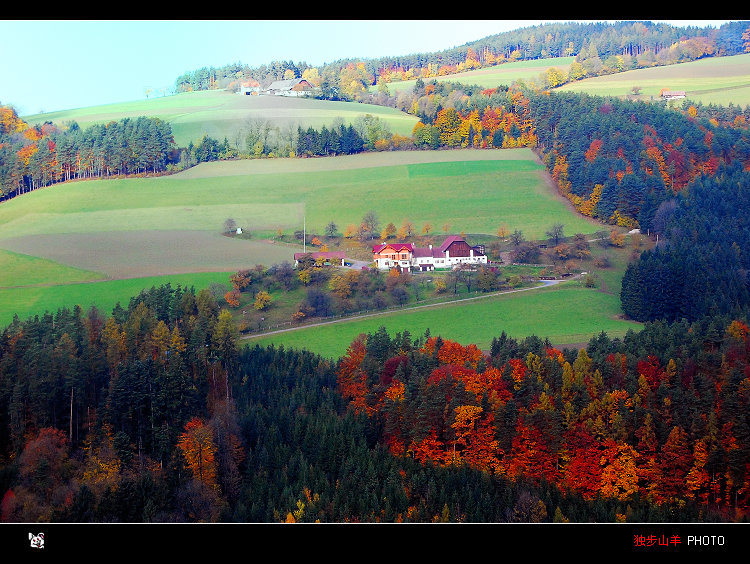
(531, 456)
(582, 473)
(351, 380)
(675, 461)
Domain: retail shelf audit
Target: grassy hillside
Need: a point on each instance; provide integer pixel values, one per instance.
(18, 269)
(134, 228)
(220, 114)
(717, 80)
(491, 77)
(475, 196)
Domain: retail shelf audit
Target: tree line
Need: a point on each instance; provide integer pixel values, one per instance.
(618, 160)
(91, 405)
(152, 414)
(36, 156)
(615, 160)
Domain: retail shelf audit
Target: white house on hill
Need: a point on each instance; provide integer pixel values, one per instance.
(672, 94)
(291, 87)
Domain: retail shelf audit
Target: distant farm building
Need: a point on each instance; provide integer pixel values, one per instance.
(672, 94)
(292, 87)
(453, 252)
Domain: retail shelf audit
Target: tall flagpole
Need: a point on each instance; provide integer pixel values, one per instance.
(304, 234)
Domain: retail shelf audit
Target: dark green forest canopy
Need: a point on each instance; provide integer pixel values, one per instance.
(289, 447)
(700, 266)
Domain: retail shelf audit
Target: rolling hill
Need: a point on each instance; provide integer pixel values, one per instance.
(713, 80)
(428, 407)
(107, 231)
(110, 230)
(220, 114)
(492, 77)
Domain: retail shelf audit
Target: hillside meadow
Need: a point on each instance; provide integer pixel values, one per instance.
(477, 196)
(220, 114)
(18, 269)
(102, 232)
(105, 294)
(713, 80)
(491, 77)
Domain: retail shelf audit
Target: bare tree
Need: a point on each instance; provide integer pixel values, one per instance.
(370, 224)
(230, 225)
(555, 233)
(517, 237)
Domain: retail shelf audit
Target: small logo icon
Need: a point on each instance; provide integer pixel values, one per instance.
(37, 541)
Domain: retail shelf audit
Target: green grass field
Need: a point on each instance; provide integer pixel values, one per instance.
(132, 228)
(475, 196)
(57, 244)
(567, 314)
(35, 300)
(132, 254)
(717, 80)
(220, 114)
(17, 269)
(491, 77)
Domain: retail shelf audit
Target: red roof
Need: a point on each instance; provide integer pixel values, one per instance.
(397, 247)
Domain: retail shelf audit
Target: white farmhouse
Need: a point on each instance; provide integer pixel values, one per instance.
(453, 252)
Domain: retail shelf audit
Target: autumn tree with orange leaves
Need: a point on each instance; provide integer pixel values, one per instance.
(199, 451)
